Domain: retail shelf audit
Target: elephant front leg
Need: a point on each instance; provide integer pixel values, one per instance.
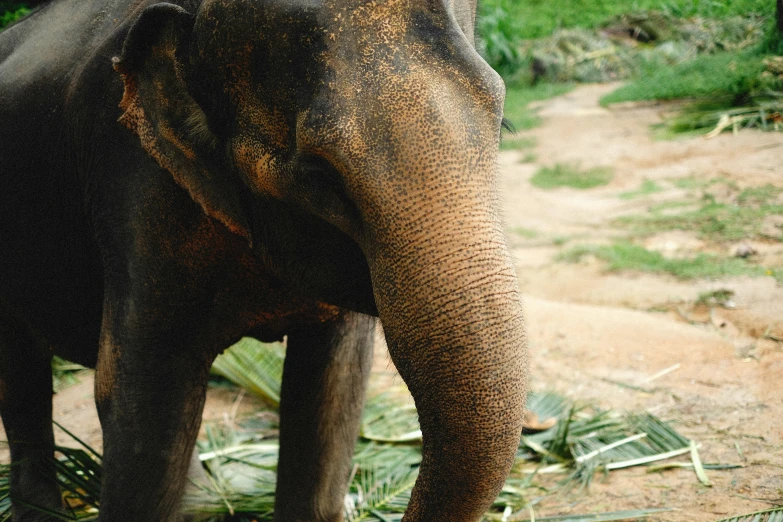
(324, 382)
(26, 409)
(150, 399)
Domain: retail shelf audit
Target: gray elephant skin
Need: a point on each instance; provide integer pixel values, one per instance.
(174, 176)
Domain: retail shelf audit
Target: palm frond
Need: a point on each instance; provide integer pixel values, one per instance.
(386, 419)
(379, 493)
(64, 373)
(635, 514)
(5, 493)
(768, 515)
(604, 440)
(255, 366)
(241, 458)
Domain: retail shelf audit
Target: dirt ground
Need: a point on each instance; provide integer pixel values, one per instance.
(588, 327)
(590, 330)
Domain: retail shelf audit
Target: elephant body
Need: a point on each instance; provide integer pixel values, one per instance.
(176, 176)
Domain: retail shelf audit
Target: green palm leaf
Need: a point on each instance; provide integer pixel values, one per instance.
(255, 366)
(768, 515)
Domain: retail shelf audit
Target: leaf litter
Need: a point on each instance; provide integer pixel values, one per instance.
(578, 442)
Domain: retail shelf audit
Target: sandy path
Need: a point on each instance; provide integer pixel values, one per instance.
(586, 325)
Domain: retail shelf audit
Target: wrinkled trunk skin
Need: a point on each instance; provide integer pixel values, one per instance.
(448, 299)
(453, 322)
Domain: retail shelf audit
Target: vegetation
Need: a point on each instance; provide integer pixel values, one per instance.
(10, 11)
(767, 515)
(518, 98)
(733, 86)
(624, 255)
(718, 212)
(266, 360)
(539, 18)
(566, 175)
(715, 52)
(744, 217)
(648, 187)
(64, 373)
(527, 233)
(720, 75)
(721, 297)
(241, 458)
(517, 142)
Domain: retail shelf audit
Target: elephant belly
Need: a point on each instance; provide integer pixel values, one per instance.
(50, 275)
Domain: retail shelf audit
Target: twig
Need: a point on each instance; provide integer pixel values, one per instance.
(687, 319)
(663, 372)
(629, 386)
(768, 335)
(739, 451)
(777, 502)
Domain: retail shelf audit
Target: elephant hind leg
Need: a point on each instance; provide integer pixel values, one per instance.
(26, 410)
(324, 381)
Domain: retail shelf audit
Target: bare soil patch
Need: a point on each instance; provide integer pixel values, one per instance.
(592, 332)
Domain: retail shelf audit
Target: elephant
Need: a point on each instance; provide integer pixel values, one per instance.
(175, 176)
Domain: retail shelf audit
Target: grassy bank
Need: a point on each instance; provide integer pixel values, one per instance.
(10, 11)
(539, 18)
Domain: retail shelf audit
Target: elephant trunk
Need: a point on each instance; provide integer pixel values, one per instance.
(451, 311)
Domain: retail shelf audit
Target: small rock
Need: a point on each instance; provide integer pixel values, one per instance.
(745, 350)
(743, 250)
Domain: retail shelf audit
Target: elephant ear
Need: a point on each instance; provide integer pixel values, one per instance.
(171, 125)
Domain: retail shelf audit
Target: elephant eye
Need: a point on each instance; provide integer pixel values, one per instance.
(321, 188)
(318, 173)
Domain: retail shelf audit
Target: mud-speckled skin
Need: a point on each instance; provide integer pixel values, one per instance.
(175, 176)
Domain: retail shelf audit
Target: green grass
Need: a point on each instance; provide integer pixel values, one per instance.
(648, 187)
(623, 255)
(565, 175)
(714, 221)
(721, 297)
(764, 195)
(728, 90)
(517, 142)
(505, 26)
(518, 98)
(527, 233)
(538, 18)
(726, 75)
(10, 11)
(693, 183)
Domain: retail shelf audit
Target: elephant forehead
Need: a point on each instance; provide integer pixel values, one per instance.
(365, 30)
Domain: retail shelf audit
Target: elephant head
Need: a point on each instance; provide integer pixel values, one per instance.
(353, 144)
